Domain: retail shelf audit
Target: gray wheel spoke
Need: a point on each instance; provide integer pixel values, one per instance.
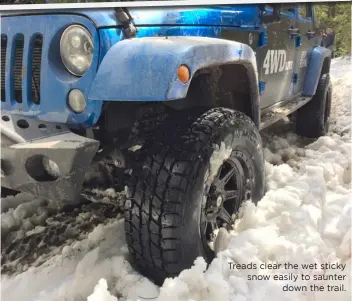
(214, 225)
(219, 172)
(225, 216)
(231, 194)
(211, 225)
(228, 175)
(205, 227)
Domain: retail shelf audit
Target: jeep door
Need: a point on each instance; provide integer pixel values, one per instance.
(277, 57)
(305, 43)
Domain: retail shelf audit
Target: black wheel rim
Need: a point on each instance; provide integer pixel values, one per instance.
(230, 188)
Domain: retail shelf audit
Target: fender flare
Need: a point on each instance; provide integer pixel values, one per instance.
(316, 61)
(145, 69)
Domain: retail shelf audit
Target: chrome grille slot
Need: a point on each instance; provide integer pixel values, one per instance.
(3, 61)
(36, 67)
(19, 44)
(22, 66)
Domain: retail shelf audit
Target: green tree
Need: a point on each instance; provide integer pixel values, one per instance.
(338, 17)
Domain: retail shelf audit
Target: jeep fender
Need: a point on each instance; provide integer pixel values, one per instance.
(145, 69)
(315, 66)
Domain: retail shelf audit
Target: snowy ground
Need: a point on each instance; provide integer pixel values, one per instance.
(51, 253)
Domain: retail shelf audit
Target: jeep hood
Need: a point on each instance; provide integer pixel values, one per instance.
(239, 15)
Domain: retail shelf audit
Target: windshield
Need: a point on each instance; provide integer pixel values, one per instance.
(61, 1)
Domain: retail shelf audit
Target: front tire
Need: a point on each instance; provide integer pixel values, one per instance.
(174, 198)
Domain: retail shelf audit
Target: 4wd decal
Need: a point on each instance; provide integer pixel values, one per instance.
(303, 60)
(275, 61)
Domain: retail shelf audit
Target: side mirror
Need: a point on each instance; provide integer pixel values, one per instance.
(271, 14)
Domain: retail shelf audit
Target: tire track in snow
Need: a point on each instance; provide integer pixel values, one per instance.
(38, 229)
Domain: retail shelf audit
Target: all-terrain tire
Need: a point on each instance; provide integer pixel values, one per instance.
(312, 119)
(164, 198)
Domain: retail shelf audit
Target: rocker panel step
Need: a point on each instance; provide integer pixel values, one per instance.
(278, 113)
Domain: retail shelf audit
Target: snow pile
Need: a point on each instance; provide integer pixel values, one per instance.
(72, 275)
(25, 213)
(304, 218)
(283, 149)
(101, 292)
(13, 202)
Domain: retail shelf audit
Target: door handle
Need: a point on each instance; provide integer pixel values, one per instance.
(310, 34)
(294, 32)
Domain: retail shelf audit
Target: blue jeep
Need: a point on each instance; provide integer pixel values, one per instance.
(166, 101)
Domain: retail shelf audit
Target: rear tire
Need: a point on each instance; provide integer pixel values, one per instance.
(312, 119)
(166, 221)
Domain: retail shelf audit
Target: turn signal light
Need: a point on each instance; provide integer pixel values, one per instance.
(183, 74)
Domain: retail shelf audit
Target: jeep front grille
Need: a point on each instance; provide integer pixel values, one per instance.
(23, 68)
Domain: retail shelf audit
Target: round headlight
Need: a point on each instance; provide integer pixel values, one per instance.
(76, 49)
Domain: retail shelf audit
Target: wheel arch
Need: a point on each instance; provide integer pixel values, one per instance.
(319, 63)
(131, 71)
(232, 86)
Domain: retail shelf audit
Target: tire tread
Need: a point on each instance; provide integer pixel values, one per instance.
(153, 218)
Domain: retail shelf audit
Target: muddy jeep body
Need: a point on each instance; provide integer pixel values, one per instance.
(262, 61)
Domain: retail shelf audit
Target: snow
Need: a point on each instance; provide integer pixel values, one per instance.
(24, 213)
(101, 292)
(304, 217)
(220, 155)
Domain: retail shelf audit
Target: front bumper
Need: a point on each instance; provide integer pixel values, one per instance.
(26, 144)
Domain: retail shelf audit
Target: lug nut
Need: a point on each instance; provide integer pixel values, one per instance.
(219, 201)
